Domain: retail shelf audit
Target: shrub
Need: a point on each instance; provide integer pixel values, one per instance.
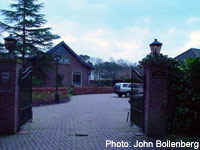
(91, 90)
(184, 98)
(102, 83)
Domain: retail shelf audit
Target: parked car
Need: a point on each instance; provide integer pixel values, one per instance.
(125, 89)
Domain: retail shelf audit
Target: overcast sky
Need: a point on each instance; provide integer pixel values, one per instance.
(123, 28)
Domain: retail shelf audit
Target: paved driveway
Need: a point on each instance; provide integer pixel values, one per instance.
(57, 127)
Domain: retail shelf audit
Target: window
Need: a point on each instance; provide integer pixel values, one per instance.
(76, 78)
(64, 60)
(125, 85)
(135, 86)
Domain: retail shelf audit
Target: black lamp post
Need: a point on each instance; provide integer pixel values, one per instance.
(57, 59)
(11, 44)
(155, 47)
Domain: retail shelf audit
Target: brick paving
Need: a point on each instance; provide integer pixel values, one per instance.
(54, 127)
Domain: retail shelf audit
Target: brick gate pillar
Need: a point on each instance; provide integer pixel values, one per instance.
(156, 94)
(9, 95)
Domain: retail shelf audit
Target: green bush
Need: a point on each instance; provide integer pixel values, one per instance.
(101, 83)
(129, 80)
(184, 97)
(36, 81)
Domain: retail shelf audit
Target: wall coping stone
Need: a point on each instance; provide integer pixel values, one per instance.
(155, 65)
(10, 60)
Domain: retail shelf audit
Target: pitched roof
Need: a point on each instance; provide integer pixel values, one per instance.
(191, 53)
(62, 48)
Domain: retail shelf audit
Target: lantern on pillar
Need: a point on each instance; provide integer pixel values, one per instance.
(155, 47)
(10, 44)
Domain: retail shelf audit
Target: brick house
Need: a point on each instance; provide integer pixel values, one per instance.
(72, 68)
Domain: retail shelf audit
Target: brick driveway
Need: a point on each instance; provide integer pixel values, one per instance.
(54, 127)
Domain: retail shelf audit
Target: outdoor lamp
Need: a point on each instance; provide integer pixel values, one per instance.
(57, 59)
(11, 44)
(155, 47)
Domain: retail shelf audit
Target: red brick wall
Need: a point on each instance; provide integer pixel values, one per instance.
(9, 97)
(91, 90)
(66, 70)
(47, 94)
(156, 93)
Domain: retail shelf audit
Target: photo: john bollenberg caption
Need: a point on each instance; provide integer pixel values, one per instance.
(157, 144)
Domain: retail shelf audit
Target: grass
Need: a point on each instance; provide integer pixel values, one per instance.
(69, 95)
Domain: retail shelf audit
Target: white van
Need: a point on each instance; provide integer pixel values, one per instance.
(125, 89)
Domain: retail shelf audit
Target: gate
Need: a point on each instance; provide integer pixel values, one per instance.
(137, 109)
(137, 100)
(25, 96)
